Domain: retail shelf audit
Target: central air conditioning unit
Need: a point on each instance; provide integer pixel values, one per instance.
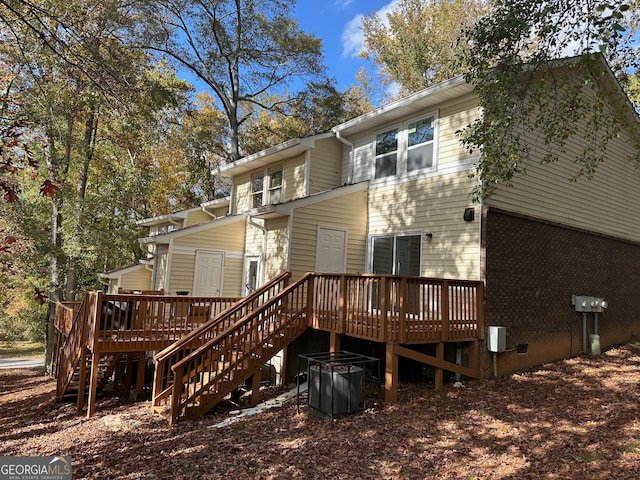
(336, 390)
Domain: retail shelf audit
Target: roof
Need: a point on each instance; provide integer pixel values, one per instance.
(400, 109)
(114, 274)
(163, 238)
(288, 149)
(180, 215)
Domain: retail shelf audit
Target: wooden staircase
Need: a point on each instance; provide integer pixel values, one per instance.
(210, 372)
(106, 367)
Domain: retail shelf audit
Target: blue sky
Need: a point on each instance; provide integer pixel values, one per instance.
(338, 24)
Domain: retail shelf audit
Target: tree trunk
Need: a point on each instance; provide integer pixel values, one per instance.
(55, 290)
(88, 147)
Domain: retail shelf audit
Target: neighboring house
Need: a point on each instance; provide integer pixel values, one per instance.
(388, 192)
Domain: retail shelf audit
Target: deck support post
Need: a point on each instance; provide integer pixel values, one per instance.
(128, 374)
(255, 388)
(391, 374)
(474, 356)
(142, 366)
(335, 342)
(93, 384)
(439, 380)
(82, 378)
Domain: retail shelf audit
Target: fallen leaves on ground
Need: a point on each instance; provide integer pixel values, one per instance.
(574, 419)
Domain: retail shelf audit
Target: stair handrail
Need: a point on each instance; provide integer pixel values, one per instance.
(163, 385)
(79, 336)
(178, 368)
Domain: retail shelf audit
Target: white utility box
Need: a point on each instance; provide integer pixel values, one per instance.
(497, 339)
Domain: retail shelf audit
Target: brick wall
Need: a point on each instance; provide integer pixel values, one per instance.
(533, 267)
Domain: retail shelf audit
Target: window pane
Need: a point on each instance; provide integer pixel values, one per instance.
(257, 183)
(420, 131)
(407, 255)
(387, 142)
(275, 196)
(382, 255)
(420, 157)
(275, 178)
(386, 165)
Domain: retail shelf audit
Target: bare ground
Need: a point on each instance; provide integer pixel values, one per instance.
(574, 419)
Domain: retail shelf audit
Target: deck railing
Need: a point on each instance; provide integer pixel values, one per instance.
(224, 362)
(163, 377)
(74, 347)
(398, 309)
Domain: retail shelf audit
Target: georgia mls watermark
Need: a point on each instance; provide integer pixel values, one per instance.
(35, 468)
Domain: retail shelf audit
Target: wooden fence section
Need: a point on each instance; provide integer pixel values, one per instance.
(398, 309)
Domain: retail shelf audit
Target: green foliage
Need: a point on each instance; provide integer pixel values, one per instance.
(531, 94)
(315, 110)
(417, 44)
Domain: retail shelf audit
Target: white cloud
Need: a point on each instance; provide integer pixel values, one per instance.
(352, 38)
(342, 4)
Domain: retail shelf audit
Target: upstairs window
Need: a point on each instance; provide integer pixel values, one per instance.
(386, 153)
(420, 144)
(257, 190)
(275, 185)
(406, 149)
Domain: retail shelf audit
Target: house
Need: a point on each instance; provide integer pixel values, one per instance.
(388, 193)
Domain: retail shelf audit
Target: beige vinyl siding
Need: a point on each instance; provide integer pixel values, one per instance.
(181, 273)
(160, 269)
(241, 193)
(432, 205)
(293, 178)
(232, 280)
(451, 115)
(182, 270)
(254, 239)
(219, 211)
(292, 188)
(139, 279)
(348, 212)
(326, 164)
(604, 204)
(229, 236)
(277, 247)
(197, 217)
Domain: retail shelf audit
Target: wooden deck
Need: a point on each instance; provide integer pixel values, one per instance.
(198, 337)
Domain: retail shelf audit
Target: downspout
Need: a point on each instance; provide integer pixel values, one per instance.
(263, 229)
(351, 156)
(204, 209)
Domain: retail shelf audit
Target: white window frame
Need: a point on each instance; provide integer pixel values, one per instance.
(255, 193)
(398, 130)
(267, 188)
(403, 148)
(271, 189)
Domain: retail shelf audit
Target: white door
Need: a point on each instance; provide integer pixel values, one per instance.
(331, 250)
(207, 280)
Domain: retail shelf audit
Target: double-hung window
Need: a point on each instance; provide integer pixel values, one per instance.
(406, 149)
(257, 190)
(275, 185)
(420, 144)
(387, 153)
(266, 187)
